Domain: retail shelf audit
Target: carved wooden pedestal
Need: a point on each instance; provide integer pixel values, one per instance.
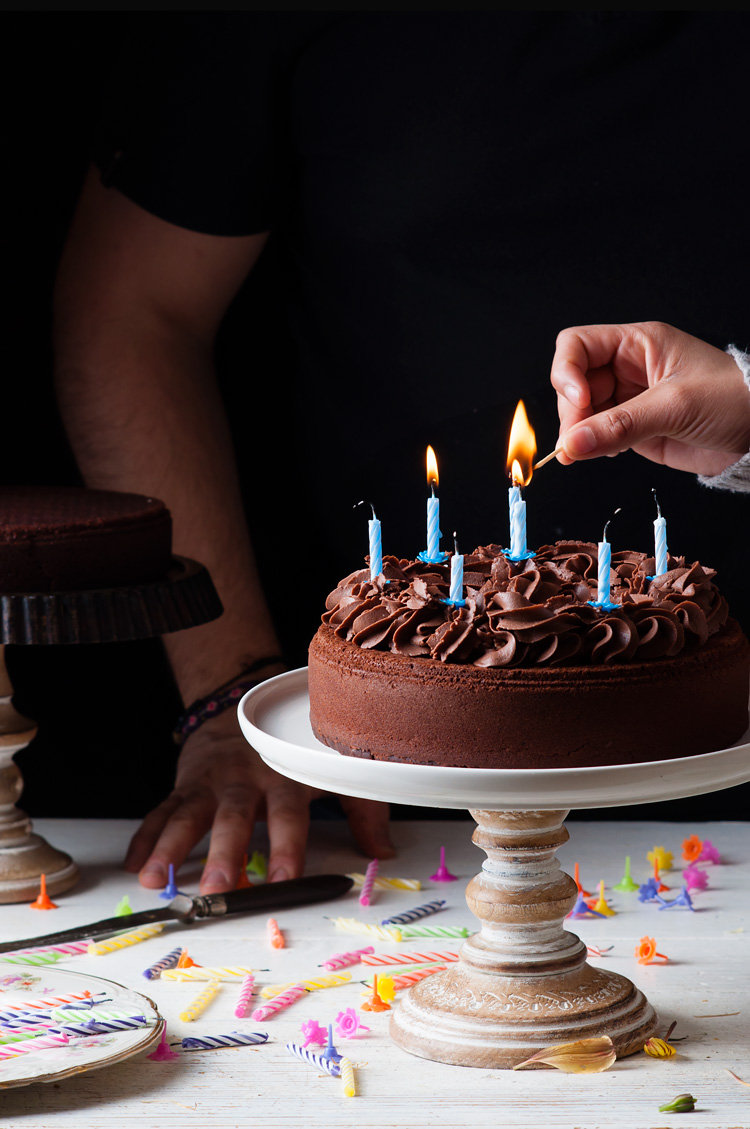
(24, 856)
(522, 982)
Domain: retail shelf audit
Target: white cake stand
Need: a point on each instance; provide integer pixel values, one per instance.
(522, 982)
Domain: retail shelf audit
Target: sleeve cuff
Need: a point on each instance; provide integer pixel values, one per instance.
(737, 476)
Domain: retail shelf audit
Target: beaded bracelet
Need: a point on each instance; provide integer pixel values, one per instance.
(223, 698)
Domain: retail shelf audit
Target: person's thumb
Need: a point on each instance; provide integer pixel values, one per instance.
(650, 414)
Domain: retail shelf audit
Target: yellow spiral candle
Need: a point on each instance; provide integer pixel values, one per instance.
(381, 883)
(201, 972)
(347, 1078)
(201, 1002)
(99, 948)
(311, 985)
(353, 925)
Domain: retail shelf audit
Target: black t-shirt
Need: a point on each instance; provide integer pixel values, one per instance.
(446, 192)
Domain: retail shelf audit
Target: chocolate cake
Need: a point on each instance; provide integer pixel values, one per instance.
(56, 539)
(529, 673)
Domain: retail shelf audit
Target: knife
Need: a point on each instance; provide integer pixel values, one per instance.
(272, 895)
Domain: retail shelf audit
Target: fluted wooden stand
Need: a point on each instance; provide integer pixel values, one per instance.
(24, 856)
(522, 982)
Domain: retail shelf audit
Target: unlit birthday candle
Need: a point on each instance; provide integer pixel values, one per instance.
(49, 1002)
(370, 876)
(275, 936)
(347, 1077)
(409, 958)
(353, 925)
(213, 1042)
(604, 571)
(376, 542)
(282, 1000)
(408, 978)
(169, 961)
(99, 948)
(199, 972)
(456, 591)
(62, 1015)
(660, 540)
(243, 999)
(327, 1065)
(201, 1002)
(344, 960)
(316, 985)
(42, 1043)
(382, 883)
(104, 1026)
(434, 931)
(32, 958)
(414, 914)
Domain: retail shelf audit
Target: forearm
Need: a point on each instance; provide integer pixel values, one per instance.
(143, 413)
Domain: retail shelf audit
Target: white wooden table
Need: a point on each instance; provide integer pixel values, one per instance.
(264, 1087)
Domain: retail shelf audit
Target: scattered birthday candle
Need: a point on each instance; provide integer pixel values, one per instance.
(201, 1002)
(323, 1064)
(409, 958)
(243, 999)
(199, 972)
(63, 1015)
(50, 1001)
(105, 1026)
(99, 948)
(344, 960)
(370, 875)
(382, 883)
(282, 1000)
(347, 1077)
(407, 979)
(70, 948)
(213, 1042)
(32, 958)
(442, 874)
(275, 936)
(154, 971)
(41, 1043)
(353, 925)
(414, 914)
(314, 985)
(434, 931)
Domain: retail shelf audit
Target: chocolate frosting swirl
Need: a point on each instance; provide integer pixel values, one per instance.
(536, 612)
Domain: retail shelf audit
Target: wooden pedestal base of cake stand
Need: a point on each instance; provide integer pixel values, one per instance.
(24, 856)
(522, 982)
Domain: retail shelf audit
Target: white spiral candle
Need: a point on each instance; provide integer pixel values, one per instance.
(235, 1039)
(604, 570)
(169, 961)
(660, 545)
(320, 1063)
(433, 529)
(518, 529)
(376, 547)
(104, 1026)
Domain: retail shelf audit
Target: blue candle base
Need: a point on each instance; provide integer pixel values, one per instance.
(454, 603)
(423, 557)
(603, 604)
(525, 556)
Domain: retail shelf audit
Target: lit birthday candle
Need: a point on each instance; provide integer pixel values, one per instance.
(521, 452)
(432, 554)
(660, 540)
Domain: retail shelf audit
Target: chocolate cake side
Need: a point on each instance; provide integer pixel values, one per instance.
(375, 704)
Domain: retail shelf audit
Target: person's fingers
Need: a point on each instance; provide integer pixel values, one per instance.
(188, 823)
(370, 821)
(657, 412)
(579, 350)
(230, 833)
(144, 839)
(288, 810)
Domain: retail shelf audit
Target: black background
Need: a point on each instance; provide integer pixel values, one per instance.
(105, 713)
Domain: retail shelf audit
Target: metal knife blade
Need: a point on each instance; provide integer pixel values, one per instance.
(272, 895)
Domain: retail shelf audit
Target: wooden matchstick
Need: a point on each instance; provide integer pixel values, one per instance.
(548, 458)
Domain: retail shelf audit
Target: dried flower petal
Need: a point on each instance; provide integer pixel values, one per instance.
(659, 1048)
(683, 1103)
(585, 1056)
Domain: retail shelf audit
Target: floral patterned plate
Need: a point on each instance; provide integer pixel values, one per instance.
(19, 985)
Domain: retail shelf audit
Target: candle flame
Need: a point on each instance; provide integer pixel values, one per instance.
(433, 478)
(521, 448)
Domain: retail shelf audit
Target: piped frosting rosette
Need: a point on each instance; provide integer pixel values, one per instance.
(535, 612)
